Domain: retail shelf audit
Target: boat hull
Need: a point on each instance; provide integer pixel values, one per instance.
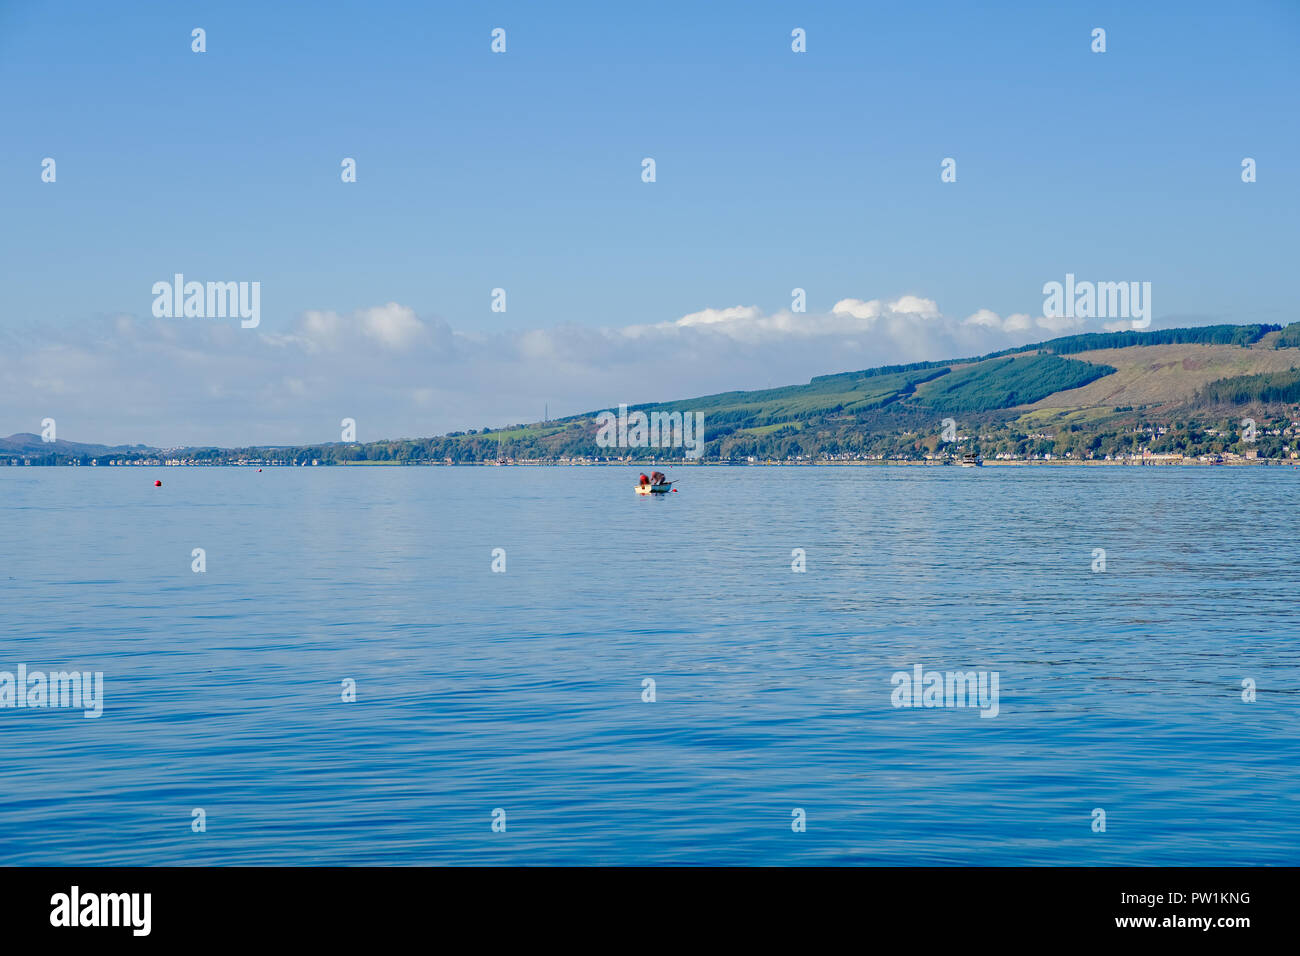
(654, 489)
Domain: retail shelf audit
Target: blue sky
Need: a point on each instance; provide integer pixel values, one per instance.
(775, 170)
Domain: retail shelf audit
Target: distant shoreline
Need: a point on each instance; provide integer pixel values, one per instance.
(649, 462)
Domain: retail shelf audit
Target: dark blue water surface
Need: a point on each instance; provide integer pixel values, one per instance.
(1119, 690)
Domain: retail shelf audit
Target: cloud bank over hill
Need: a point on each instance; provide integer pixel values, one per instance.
(170, 382)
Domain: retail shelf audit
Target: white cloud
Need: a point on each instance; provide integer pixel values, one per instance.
(392, 326)
(738, 313)
(907, 305)
(320, 329)
(913, 305)
(986, 318)
(1020, 322)
(858, 309)
(1059, 324)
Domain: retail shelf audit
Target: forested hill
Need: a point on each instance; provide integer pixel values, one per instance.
(1080, 395)
(1182, 391)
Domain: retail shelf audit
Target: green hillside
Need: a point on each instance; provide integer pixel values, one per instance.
(1006, 382)
(1178, 391)
(1053, 398)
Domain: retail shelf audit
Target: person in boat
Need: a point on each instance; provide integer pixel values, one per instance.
(644, 479)
(658, 478)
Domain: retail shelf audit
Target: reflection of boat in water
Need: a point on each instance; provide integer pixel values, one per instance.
(972, 461)
(661, 489)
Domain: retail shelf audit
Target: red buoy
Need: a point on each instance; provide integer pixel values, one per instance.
(157, 484)
(259, 469)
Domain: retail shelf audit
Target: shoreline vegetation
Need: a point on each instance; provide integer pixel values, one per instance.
(1206, 395)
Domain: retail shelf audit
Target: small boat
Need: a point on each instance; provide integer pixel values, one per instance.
(972, 461)
(662, 489)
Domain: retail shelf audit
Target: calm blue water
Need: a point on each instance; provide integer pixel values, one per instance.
(478, 690)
